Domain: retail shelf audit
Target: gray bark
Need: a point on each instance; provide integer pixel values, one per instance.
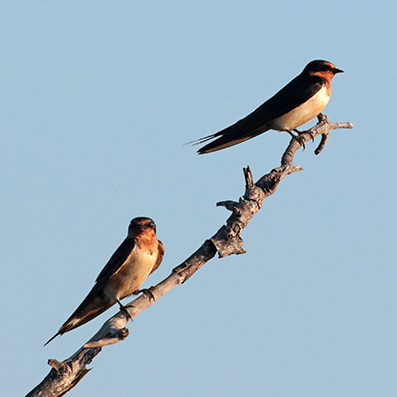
(226, 241)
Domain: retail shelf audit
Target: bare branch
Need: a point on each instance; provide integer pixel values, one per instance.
(226, 241)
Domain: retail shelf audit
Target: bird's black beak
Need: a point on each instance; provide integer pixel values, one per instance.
(336, 70)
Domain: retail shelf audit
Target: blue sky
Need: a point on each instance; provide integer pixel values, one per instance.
(97, 100)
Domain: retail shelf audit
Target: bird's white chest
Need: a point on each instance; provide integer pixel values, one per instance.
(303, 113)
(134, 272)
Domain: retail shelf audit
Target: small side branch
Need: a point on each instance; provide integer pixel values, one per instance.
(64, 376)
(226, 241)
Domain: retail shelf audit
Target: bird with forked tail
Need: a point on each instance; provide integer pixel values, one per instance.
(302, 99)
(139, 255)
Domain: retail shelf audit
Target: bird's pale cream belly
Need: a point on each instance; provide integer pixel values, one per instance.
(303, 113)
(132, 274)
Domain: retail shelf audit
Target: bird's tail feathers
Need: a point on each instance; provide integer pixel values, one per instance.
(202, 140)
(78, 319)
(51, 339)
(220, 144)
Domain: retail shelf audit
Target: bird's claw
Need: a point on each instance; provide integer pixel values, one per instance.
(124, 311)
(300, 140)
(148, 292)
(305, 132)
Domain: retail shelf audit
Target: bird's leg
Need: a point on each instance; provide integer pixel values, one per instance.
(322, 117)
(148, 292)
(298, 138)
(124, 310)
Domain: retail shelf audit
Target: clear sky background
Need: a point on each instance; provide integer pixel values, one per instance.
(97, 100)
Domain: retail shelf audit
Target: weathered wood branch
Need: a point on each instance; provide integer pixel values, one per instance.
(226, 241)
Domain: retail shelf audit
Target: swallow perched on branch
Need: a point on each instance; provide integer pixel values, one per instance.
(298, 102)
(139, 255)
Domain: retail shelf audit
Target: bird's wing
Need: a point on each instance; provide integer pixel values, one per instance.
(285, 100)
(116, 261)
(160, 256)
(81, 313)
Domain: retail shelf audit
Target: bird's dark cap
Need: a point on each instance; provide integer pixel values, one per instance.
(321, 66)
(142, 222)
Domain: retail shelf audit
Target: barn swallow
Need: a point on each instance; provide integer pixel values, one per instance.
(139, 255)
(298, 102)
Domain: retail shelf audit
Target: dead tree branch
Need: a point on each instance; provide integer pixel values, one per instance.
(226, 241)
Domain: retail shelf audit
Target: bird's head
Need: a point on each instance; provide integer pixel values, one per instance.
(324, 69)
(141, 222)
